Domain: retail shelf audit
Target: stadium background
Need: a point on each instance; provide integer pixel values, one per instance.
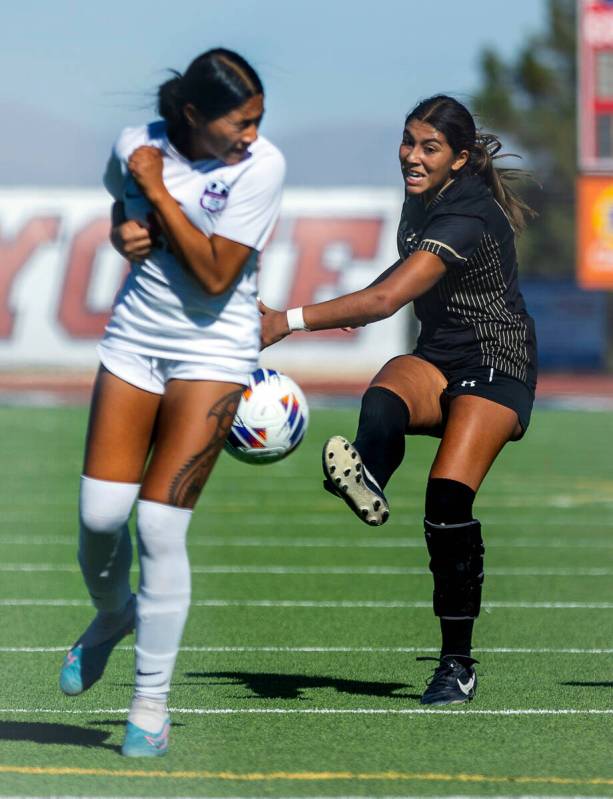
(297, 674)
(337, 228)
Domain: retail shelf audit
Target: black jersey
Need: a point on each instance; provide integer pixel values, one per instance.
(475, 315)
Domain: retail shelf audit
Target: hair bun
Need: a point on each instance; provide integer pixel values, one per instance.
(170, 100)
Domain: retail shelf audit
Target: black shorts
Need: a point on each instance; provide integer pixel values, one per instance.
(487, 382)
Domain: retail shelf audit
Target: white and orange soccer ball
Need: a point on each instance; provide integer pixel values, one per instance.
(271, 419)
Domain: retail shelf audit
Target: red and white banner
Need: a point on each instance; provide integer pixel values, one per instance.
(59, 276)
(595, 85)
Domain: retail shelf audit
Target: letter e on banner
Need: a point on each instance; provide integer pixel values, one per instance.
(313, 237)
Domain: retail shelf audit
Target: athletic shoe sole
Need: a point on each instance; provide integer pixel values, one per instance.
(445, 702)
(349, 479)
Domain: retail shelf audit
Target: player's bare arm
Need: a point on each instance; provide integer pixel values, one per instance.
(131, 238)
(214, 261)
(399, 285)
(386, 273)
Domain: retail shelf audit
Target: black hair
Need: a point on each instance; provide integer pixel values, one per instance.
(216, 82)
(456, 123)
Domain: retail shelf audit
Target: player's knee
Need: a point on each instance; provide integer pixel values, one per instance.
(105, 506)
(456, 549)
(448, 501)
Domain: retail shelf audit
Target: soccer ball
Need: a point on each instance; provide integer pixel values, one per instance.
(271, 419)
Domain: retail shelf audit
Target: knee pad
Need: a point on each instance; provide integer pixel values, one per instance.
(105, 506)
(163, 595)
(448, 501)
(456, 562)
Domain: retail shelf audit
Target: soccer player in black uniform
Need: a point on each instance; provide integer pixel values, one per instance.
(472, 377)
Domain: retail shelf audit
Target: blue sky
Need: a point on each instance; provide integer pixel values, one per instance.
(80, 71)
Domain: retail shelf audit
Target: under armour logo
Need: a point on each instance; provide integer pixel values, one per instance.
(471, 383)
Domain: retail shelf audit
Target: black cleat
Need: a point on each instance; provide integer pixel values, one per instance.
(348, 478)
(452, 683)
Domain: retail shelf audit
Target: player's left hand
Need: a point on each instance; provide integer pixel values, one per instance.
(274, 325)
(146, 167)
(132, 239)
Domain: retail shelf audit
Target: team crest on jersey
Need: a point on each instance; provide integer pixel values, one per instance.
(215, 196)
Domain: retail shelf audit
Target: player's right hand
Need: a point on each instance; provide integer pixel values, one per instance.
(132, 240)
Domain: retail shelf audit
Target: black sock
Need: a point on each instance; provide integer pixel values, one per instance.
(457, 637)
(384, 421)
(448, 501)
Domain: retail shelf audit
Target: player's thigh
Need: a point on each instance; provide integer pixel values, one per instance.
(121, 423)
(475, 432)
(419, 384)
(193, 423)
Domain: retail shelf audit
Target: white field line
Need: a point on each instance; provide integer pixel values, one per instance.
(338, 543)
(265, 490)
(245, 516)
(324, 711)
(518, 571)
(325, 650)
(312, 603)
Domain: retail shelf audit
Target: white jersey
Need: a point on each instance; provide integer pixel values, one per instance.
(162, 310)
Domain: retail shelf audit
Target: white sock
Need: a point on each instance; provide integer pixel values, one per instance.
(105, 549)
(148, 714)
(163, 595)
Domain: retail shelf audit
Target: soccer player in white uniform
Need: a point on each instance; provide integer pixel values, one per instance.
(197, 194)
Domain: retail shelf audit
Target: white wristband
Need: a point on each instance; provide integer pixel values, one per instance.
(295, 319)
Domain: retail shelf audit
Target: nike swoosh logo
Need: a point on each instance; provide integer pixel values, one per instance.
(147, 673)
(466, 688)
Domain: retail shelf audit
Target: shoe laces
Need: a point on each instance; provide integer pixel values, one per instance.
(446, 666)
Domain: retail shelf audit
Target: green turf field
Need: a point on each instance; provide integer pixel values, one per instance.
(298, 674)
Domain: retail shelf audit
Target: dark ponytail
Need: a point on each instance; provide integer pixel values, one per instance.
(171, 102)
(485, 151)
(455, 121)
(216, 82)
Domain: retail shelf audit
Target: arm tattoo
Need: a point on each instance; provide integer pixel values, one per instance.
(190, 479)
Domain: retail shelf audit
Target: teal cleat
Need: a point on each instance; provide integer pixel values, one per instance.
(140, 743)
(85, 664)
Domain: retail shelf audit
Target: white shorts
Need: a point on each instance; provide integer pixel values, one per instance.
(152, 374)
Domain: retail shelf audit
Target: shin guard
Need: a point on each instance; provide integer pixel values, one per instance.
(163, 595)
(456, 562)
